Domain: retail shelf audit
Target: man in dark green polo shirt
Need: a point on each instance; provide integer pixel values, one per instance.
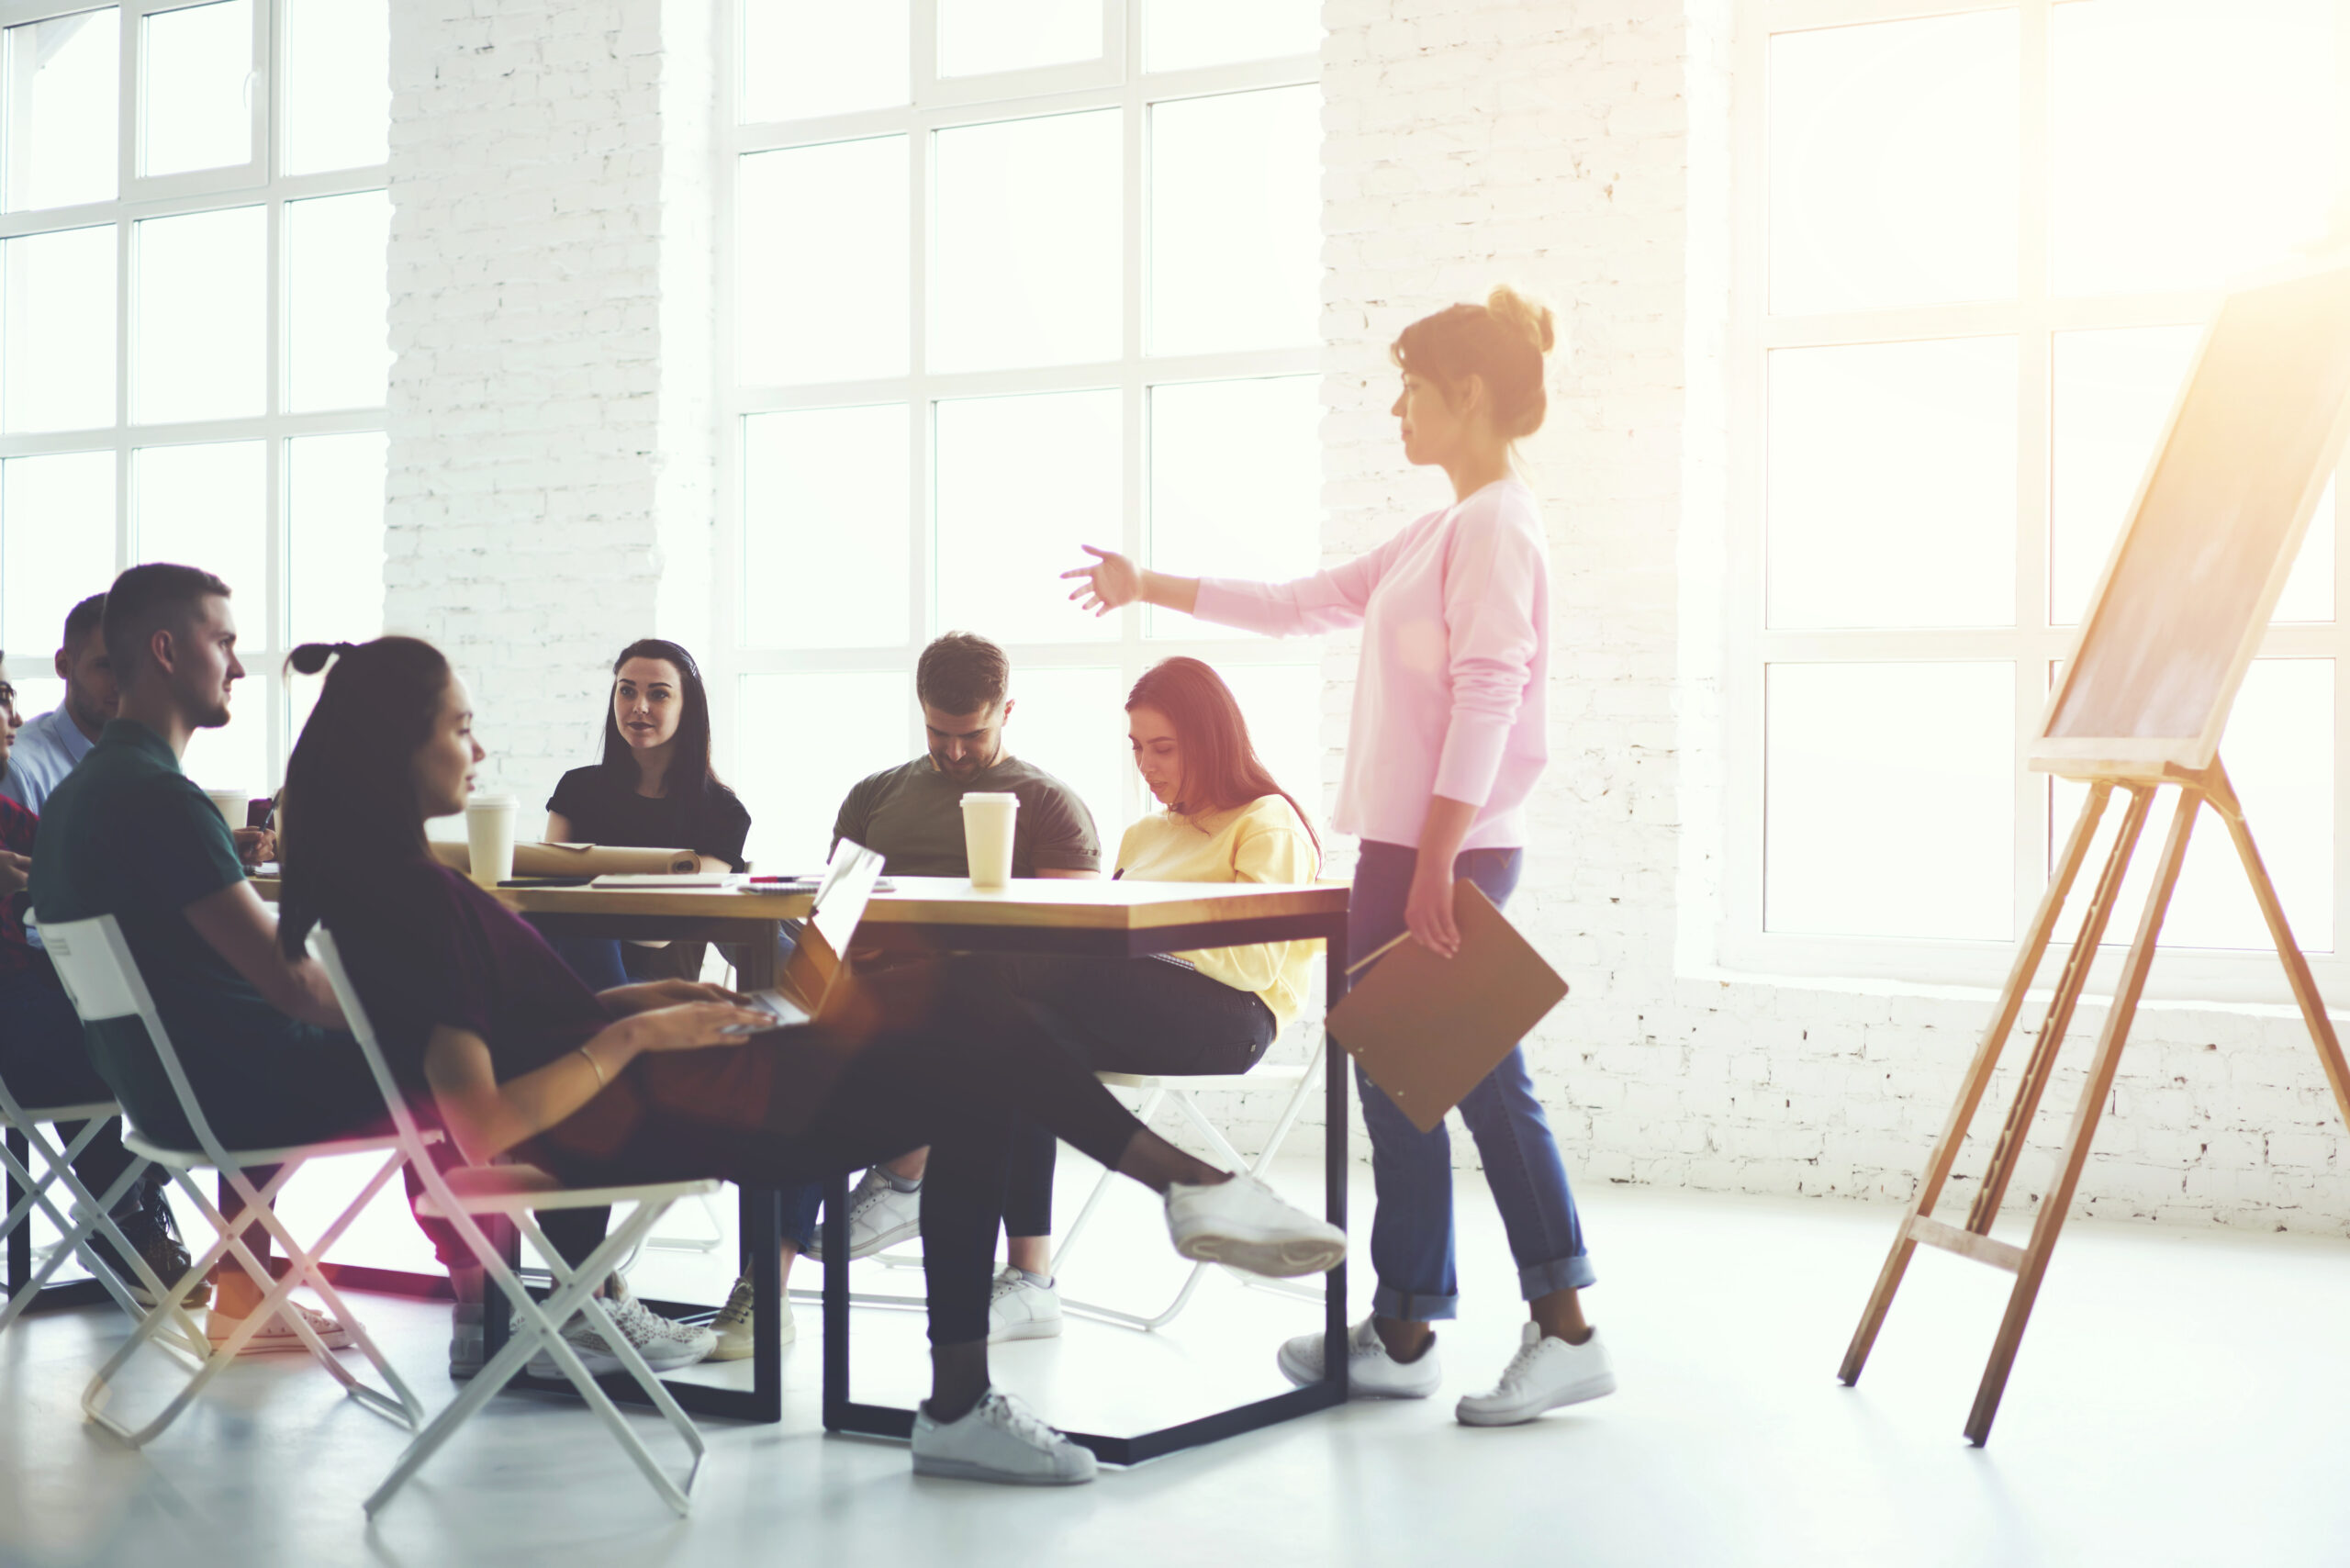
(129, 835)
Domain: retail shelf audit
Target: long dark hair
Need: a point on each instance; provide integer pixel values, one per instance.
(690, 773)
(351, 784)
(1220, 766)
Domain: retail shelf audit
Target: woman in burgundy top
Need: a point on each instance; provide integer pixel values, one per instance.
(517, 1057)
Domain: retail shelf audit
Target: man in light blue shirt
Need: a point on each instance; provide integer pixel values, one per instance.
(48, 746)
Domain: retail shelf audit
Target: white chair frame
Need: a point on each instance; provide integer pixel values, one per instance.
(101, 977)
(515, 1190)
(90, 1216)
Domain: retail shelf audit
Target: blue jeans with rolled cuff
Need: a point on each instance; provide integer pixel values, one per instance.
(1411, 1231)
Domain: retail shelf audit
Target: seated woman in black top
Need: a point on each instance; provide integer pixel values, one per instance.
(655, 788)
(517, 1057)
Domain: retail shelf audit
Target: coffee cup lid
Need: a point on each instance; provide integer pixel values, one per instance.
(486, 799)
(988, 796)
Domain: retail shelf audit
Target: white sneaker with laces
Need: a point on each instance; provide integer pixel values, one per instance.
(1546, 1373)
(998, 1440)
(734, 1321)
(1019, 1308)
(879, 1217)
(664, 1344)
(1245, 1224)
(277, 1336)
(1371, 1372)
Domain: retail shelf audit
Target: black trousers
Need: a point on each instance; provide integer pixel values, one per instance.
(939, 1053)
(44, 1063)
(1124, 1015)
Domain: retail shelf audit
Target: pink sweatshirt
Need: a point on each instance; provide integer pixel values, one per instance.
(1456, 613)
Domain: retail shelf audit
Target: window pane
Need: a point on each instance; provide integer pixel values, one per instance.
(794, 789)
(202, 506)
(1283, 706)
(978, 36)
(1179, 34)
(2279, 752)
(57, 346)
(64, 90)
(2187, 138)
(56, 548)
(1008, 524)
(338, 299)
(822, 263)
(1235, 485)
(825, 499)
(1236, 222)
(804, 58)
(1892, 486)
(197, 351)
(338, 85)
(1028, 248)
(1892, 163)
(2113, 392)
(334, 561)
(1890, 800)
(198, 67)
(1073, 723)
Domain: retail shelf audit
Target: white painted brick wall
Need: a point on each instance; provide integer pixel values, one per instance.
(549, 419)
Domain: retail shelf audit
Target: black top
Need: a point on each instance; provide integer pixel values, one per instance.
(602, 809)
(429, 949)
(914, 815)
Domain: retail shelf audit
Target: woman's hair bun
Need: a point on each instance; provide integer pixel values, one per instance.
(312, 657)
(1528, 318)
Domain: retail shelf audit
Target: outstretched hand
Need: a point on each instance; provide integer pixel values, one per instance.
(697, 1025)
(1112, 582)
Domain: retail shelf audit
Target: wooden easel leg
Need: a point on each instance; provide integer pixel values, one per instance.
(2102, 1066)
(2052, 1029)
(1978, 1078)
(2297, 969)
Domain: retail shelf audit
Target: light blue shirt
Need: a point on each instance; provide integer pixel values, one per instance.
(46, 750)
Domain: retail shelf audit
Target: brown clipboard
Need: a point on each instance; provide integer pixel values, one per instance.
(1429, 1030)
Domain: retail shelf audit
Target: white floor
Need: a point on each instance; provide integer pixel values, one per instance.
(2179, 1399)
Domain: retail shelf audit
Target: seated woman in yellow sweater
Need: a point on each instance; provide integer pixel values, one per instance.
(1174, 1014)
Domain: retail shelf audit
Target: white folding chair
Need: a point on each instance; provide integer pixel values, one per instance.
(103, 980)
(1156, 1092)
(89, 1215)
(516, 1190)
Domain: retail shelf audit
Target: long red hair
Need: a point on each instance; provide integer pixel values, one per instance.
(1220, 766)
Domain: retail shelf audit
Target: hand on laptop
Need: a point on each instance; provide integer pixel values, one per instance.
(643, 997)
(696, 1026)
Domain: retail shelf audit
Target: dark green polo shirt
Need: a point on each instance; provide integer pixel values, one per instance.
(129, 835)
(914, 815)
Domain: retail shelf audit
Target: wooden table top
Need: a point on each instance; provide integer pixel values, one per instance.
(1059, 904)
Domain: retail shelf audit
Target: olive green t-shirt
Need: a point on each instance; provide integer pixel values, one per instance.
(914, 815)
(129, 835)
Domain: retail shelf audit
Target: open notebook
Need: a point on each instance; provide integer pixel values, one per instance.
(817, 964)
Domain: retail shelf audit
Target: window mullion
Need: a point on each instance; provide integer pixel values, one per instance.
(921, 422)
(2035, 367)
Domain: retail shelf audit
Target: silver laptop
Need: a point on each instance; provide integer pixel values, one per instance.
(816, 966)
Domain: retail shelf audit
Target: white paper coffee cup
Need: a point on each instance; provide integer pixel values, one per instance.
(489, 837)
(230, 804)
(987, 836)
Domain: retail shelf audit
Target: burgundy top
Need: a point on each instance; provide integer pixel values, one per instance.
(16, 955)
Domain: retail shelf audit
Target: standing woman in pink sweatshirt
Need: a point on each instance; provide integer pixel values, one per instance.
(1446, 744)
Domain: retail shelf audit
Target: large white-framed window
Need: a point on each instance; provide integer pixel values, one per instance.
(1974, 244)
(998, 280)
(193, 340)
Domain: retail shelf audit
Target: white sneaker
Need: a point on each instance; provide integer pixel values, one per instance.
(1018, 1308)
(735, 1320)
(879, 1217)
(1545, 1373)
(277, 1336)
(1371, 1372)
(664, 1344)
(1246, 1225)
(998, 1440)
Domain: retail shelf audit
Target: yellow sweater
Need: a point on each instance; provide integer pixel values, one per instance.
(1264, 841)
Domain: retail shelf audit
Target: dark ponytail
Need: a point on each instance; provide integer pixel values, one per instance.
(351, 812)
